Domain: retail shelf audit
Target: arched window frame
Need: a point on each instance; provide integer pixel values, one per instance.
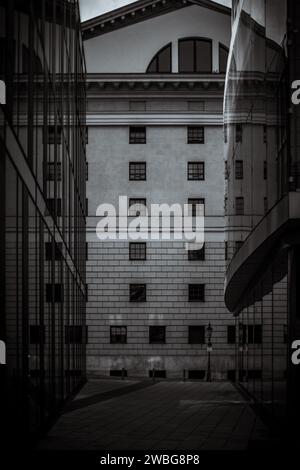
(195, 39)
(222, 46)
(155, 57)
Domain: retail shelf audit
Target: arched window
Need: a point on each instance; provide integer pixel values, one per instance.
(195, 55)
(223, 58)
(162, 61)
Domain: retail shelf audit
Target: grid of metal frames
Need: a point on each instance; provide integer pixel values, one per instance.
(137, 171)
(196, 171)
(196, 292)
(137, 135)
(195, 135)
(118, 334)
(138, 292)
(137, 251)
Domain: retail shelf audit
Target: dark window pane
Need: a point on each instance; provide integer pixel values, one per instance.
(203, 56)
(37, 334)
(239, 133)
(157, 334)
(58, 293)
(231, 334)
(239, 206)
(137, 171)
(196, 171)
(137, 251)
(137, 135)
(137, 292)
(118, 334)
(223, 58)
(196, 206)
(186, 56)
(137, 207)
(195, 135)
(197, 334)
(239, 169)
(196, 293)
(162, 61)
(197, 255)
(57, 251)
(73, 334)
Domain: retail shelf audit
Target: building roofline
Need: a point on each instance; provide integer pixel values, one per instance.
(138, 11)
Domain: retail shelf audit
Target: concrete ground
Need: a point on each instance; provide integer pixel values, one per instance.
(131, 415)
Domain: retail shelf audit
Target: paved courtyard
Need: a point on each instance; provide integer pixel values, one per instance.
(131, 415)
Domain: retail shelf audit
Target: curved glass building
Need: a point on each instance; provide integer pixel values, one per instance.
(261, 133)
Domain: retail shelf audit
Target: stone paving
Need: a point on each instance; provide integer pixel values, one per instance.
(165, 415)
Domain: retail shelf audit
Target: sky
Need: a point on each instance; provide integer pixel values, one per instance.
(91, 8)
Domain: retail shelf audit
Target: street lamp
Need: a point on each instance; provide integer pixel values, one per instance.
(209, 331)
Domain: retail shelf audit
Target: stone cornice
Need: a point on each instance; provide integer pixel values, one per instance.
(157, 84)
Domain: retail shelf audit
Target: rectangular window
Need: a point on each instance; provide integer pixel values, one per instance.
(137, 207)
(238, 133)
(265, 170)
(231, 334)
(137, 171)
(51, 167)
(137, 135)
(54, 135)
(265, 135)
(239, 169)
(73, 334)
(195, 135)
(137, 251)
(226, 171)
(226, 205)
(37, 334)
(197, 255)
(254, 334)
(197, 334)
(196, 171)
(196, 207)
(53, 207)
(196, 293)
(86, 171)
(226, 251)
(86, 135)
(118, 334)
(157, 334)
(58, 293)
(57, 251)
(137, 292)
(239, 206)
(225, 133)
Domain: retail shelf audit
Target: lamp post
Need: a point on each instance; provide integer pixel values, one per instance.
(209, 331)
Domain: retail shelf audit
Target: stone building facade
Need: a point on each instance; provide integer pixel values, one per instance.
(156, 73)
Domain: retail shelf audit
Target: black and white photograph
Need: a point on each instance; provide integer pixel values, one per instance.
(149, 231)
